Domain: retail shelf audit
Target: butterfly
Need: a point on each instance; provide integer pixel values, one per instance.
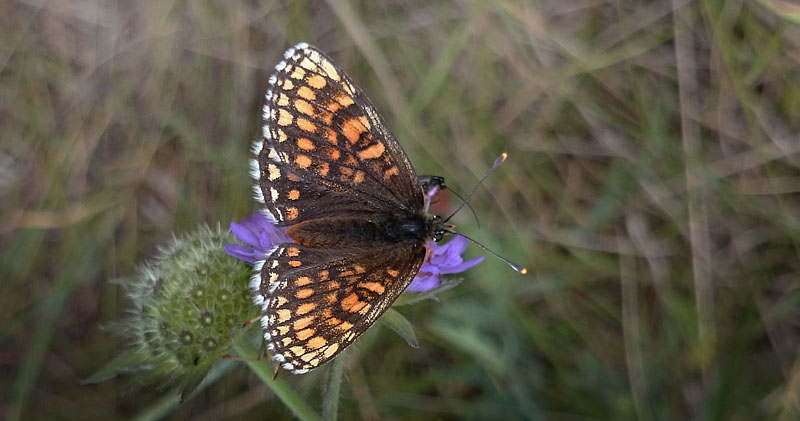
(330, 171)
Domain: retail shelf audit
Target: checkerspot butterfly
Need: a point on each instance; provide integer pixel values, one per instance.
(329, 170)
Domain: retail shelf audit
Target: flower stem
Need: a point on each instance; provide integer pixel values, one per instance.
(292, 400)
(330, 404)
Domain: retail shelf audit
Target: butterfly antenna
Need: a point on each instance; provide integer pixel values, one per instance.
(497, 163)
(518, 268)
(477, 221)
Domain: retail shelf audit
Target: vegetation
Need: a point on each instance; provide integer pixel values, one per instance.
(651, 190)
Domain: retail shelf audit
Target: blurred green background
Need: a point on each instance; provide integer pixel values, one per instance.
(651, 189)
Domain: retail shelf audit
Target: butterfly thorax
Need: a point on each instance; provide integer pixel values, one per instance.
(364, 231)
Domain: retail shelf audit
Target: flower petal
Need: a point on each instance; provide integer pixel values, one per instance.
(424, 282)
(463, 265)
(447, 255)
(240, 252)
(245, 232)
(457, 245)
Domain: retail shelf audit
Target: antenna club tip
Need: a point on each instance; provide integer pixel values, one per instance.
(500, 159)
(523, 271)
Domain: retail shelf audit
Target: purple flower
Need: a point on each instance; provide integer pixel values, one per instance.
(260, 234)
(442, 260)
(261, 237)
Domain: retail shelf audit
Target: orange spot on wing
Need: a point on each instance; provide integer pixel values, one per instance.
(364, 122)
(323, 169)
(308, 64)
(274, 172)
(392, 272)
(316, 342)
(330, 298)
(306, 92)
(304, 107)
(351, 161)
(295, 264)
(333, 106)
(359, 307)
(283, 100)
(316, 82)
(345, 100)
(282, 136)
(294, 194)
(349, 301)
(292, 251)
(298, 73)
(330, 136)
(283, 315)
(302, 280)
(305, 334)
(303, 161)
(306, 125)
(390, 172)
(284, 118)
(374, 151)
(325, 116)
(375, 287)
(305, 308)
(303, 323)
(333, 153)
(292, 213)
(330, 69)
(352, 129)
(330, 350)
(305, 144)
(308, 357)
(304, 293)
(359, 177)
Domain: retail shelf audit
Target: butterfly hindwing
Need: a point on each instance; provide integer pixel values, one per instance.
(318, 301)
(322, 135)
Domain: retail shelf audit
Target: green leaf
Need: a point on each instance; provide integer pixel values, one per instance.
(395, 321)
(128, 361)
(433, 294)
(294, 402)
(330, 403)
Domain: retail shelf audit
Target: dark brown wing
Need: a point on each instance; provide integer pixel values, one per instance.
(318, 301)
(324, 143)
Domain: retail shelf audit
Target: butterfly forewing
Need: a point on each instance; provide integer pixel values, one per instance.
(317, 302)
(322, 134)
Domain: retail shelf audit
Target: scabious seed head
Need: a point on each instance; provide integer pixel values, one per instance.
(187, 303)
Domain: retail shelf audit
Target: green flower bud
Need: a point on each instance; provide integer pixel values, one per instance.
(187, 305)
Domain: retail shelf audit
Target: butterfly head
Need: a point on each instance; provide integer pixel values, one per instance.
(430, 181)
(439, 228)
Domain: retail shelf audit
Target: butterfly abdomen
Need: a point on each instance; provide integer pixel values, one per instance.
(360, 231)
